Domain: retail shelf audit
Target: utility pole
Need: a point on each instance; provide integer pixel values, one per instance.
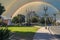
(45, 10)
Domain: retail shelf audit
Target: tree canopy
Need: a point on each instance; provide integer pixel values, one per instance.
(18, 19)
(2, 9)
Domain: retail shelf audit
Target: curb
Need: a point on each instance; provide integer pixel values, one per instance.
(51, 32)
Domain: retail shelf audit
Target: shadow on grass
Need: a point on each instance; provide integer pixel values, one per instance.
(23, 35)
(30, 35)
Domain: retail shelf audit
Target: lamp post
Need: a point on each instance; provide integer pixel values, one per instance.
(45, 10)
(55, 18)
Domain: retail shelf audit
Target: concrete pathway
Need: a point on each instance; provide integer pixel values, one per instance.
(44, 34)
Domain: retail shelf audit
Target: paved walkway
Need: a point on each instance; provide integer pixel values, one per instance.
(44, 34)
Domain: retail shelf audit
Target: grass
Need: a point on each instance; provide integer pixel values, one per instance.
(22, 29)
(23, 32)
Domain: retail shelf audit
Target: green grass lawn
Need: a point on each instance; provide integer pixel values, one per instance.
(23, 32)
(22, 29)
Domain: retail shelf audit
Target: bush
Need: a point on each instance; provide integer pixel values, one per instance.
(4, 34)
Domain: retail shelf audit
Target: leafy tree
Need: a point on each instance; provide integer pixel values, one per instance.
(18, 19)
(49, 20)
(21, 18)
(2, 9)
(34, 19)
(42, 20)
(14, 20)
(32, 15)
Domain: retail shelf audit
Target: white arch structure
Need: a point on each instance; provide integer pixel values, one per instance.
(30, 6)
(15, 7)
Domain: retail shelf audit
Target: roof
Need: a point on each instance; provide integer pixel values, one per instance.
(4, 17)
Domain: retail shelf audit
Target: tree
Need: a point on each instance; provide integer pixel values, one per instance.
(49, 20)
(42, 20)
(2, 9)
(34, 19)
(4, 33)
(18, 19)
(14, 20)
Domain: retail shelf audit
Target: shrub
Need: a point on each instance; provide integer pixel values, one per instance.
(4, 34)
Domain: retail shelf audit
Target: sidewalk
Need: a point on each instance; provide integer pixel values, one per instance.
(43, 34)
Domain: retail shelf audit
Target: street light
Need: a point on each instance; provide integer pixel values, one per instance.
(45, 9)
(55, 18)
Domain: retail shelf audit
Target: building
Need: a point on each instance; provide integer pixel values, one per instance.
(6, 20)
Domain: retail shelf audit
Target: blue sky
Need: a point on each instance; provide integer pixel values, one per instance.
(55, 3)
